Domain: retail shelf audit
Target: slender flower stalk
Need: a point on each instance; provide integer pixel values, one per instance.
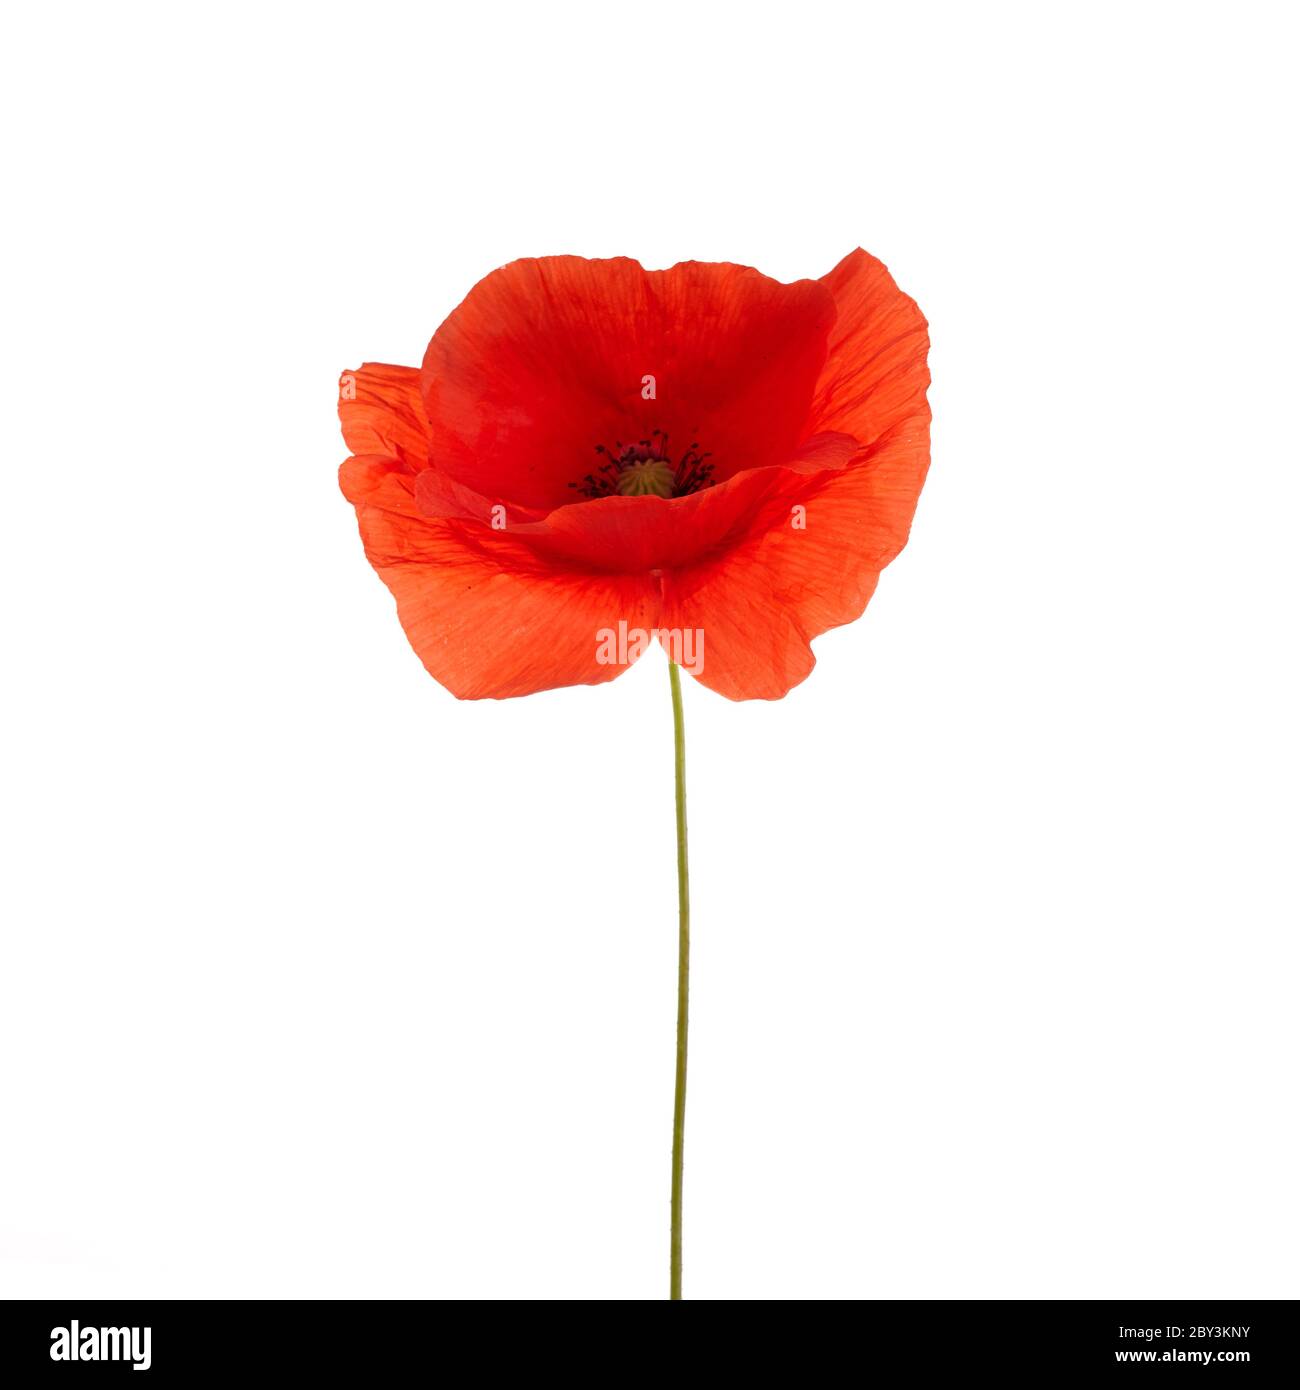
(683, 982)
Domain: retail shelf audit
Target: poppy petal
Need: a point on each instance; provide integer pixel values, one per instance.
(547, 359)
(875, 374)
(761, 603)
(381, 412)
(485, 617)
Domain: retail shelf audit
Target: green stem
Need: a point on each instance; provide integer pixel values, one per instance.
(683, 982)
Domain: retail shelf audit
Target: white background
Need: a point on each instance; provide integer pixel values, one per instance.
(315, 981)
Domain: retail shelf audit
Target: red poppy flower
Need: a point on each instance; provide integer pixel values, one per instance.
(701, 449)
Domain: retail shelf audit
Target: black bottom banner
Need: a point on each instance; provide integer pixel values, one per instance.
(193, 1342)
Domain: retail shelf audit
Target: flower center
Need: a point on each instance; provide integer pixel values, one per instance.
(646, 469)
(646, 477)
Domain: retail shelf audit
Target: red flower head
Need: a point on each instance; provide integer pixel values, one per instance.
(699, 450)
